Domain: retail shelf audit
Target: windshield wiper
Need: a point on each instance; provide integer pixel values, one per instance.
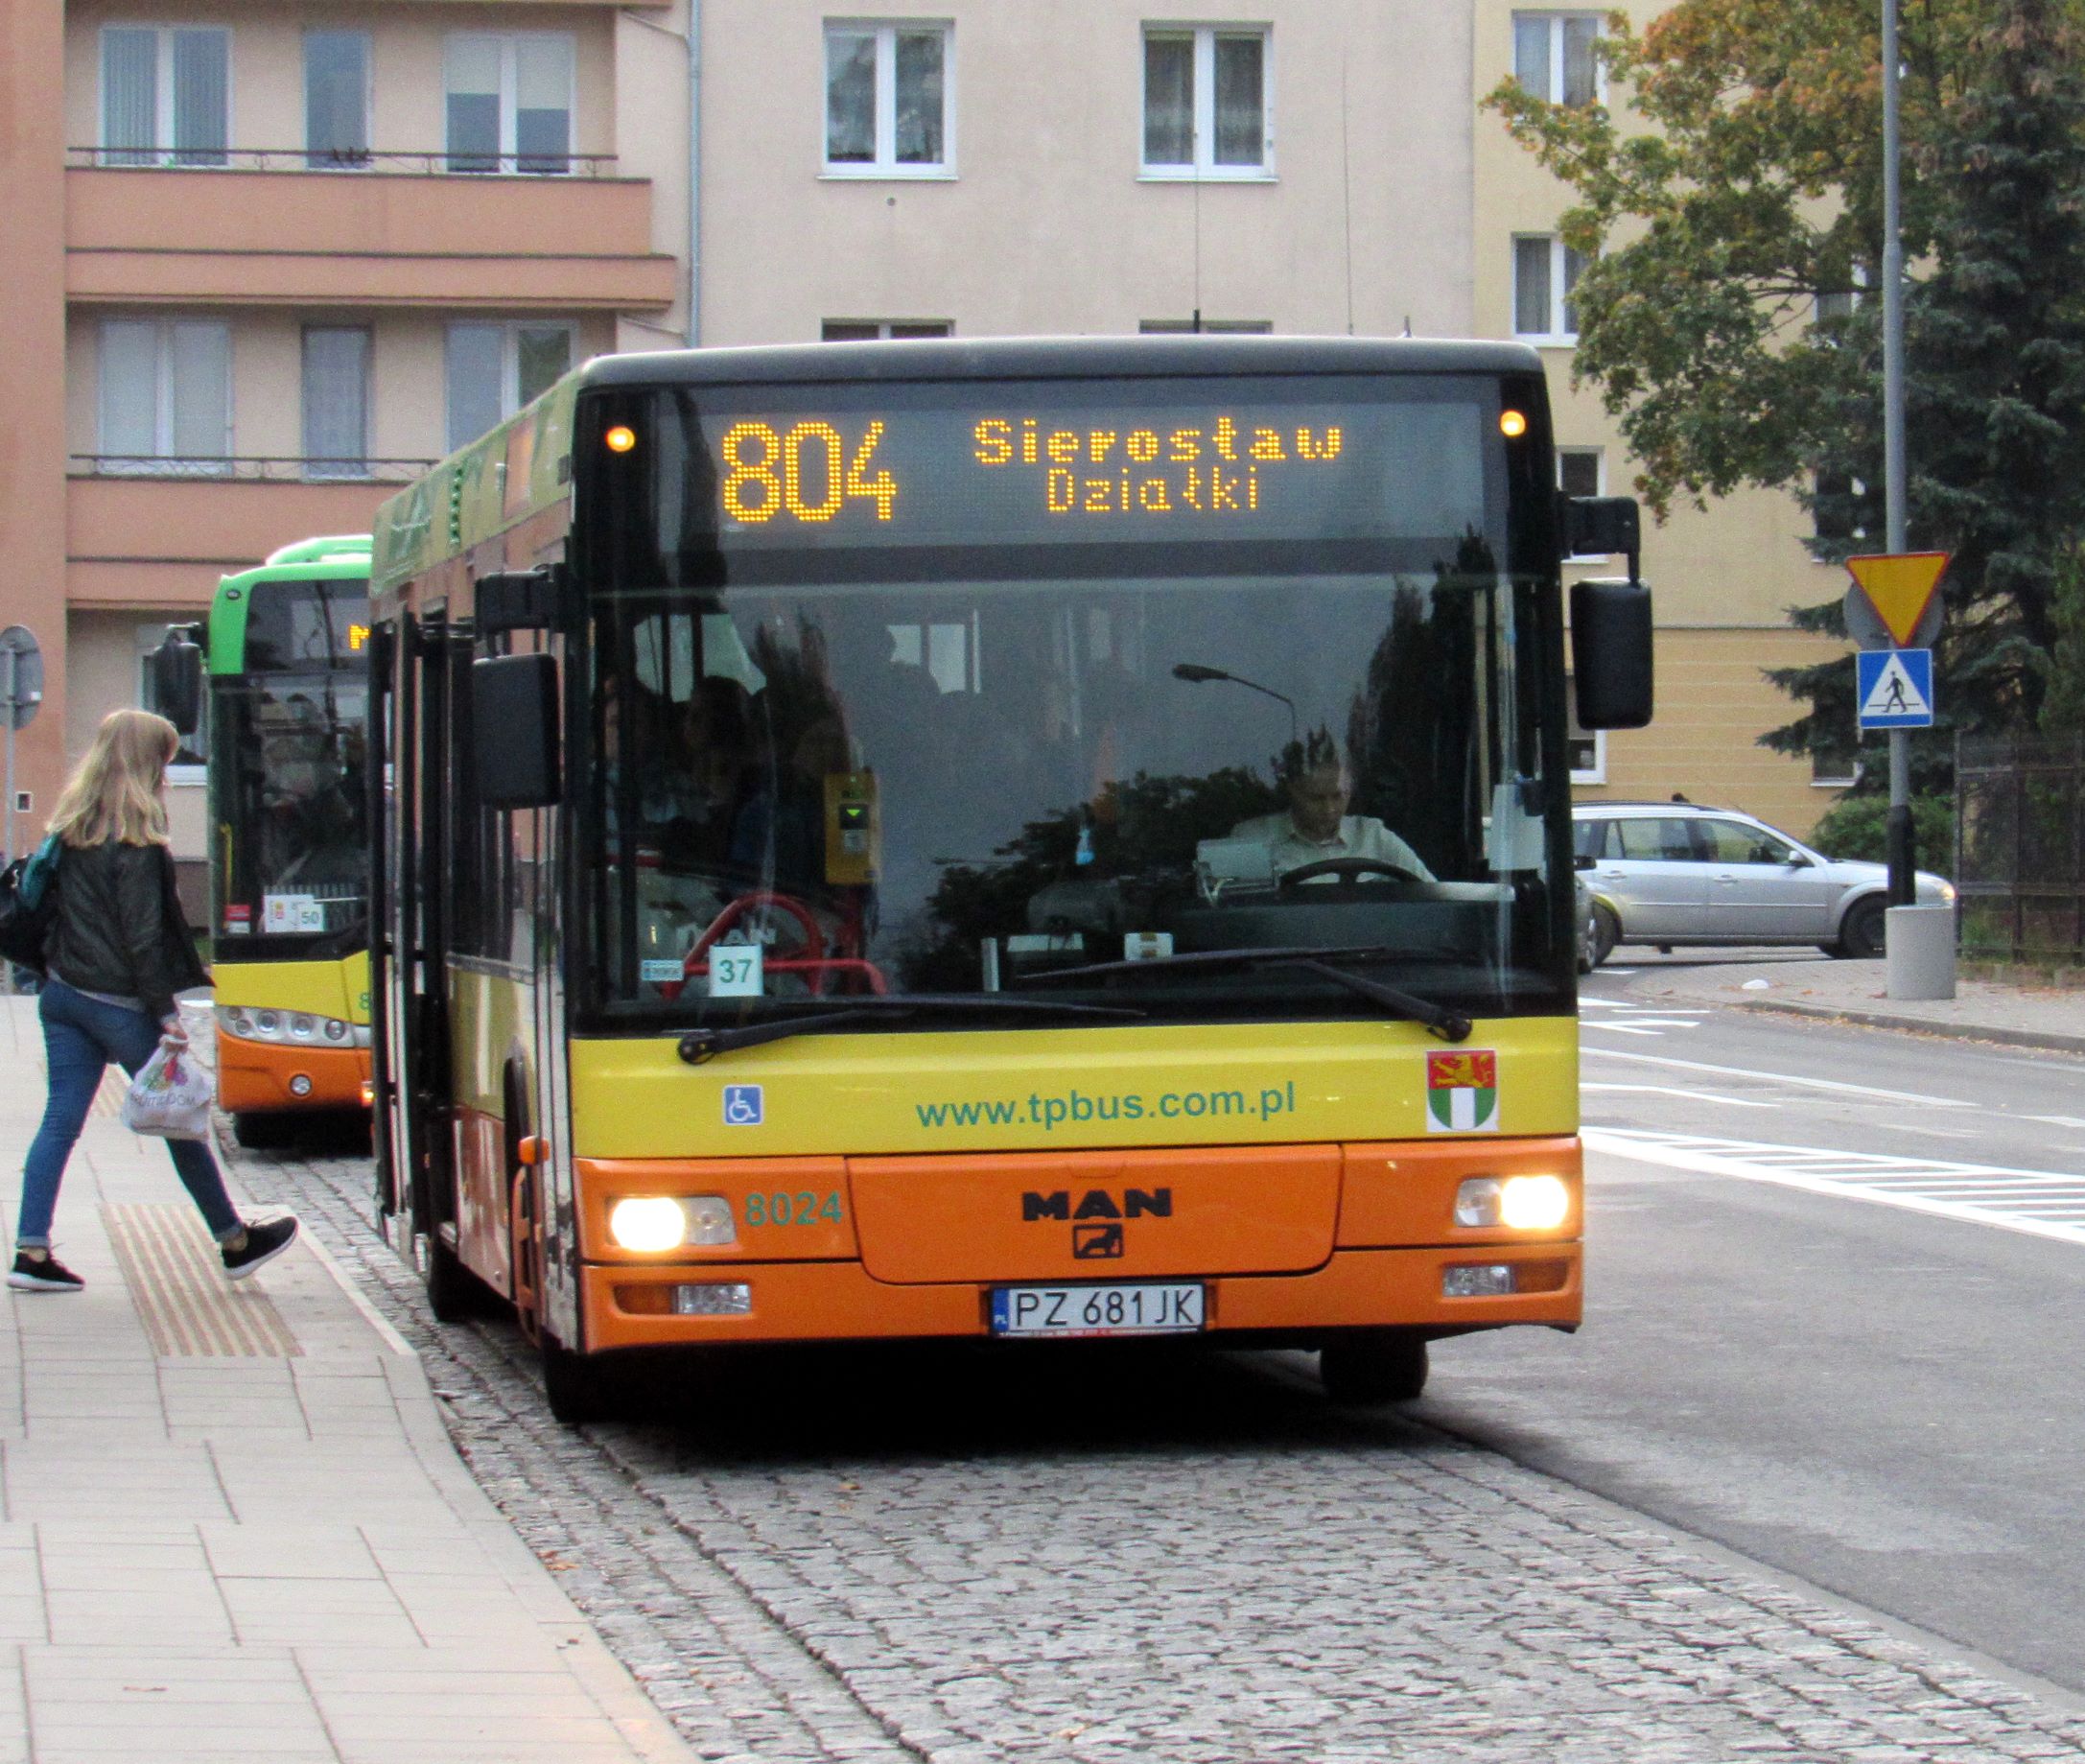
(700, 1045)
(1449, 1025)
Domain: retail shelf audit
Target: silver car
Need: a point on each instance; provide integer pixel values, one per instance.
(1673, 874)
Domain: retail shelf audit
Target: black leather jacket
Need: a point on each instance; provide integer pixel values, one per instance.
(119, 926)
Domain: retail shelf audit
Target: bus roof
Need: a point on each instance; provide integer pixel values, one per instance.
(314, 551)
(340, 557)
(525, 464)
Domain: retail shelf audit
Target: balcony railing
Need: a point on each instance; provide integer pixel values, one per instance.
(246, 468)
(342, 159)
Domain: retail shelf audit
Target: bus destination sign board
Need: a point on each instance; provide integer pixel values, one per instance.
(1279, 469)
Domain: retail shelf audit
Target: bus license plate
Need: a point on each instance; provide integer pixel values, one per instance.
(1173, 1309)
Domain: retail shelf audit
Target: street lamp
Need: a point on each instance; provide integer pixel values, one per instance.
(1195, 674)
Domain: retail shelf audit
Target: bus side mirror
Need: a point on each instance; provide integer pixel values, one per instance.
(514, 731)
(174, 680)
(1611, 654)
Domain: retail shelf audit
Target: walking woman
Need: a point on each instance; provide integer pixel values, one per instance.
(117, 952)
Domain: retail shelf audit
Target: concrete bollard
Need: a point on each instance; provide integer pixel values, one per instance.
(1921, 952)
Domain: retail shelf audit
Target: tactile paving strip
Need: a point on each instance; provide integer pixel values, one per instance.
(178, 1282)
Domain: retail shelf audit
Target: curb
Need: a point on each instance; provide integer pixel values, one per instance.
(1925, 1026)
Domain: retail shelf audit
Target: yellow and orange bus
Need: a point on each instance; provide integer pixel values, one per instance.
(1036, 839)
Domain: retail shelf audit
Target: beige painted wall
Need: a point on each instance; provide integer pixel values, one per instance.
(1046, 225)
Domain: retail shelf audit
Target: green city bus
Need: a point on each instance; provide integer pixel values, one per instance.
(284, 712)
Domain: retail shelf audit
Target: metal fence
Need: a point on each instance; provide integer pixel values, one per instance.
(2020, 849)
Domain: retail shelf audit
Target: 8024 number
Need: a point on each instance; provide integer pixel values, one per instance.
(800, 1208)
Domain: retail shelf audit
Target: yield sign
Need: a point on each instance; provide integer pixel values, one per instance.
(1900, 586)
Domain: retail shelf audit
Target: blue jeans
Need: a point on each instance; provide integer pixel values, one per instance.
(80, 1036)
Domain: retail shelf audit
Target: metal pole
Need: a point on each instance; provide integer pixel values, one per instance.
(1901, 857)
(7, 821)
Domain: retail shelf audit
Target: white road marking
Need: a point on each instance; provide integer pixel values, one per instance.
(1621, 1028)
(1667, 1089)
(2058, 1120)
(2041, 1203)
(1785, 1077)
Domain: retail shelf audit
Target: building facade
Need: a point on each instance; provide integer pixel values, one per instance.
(265, 258)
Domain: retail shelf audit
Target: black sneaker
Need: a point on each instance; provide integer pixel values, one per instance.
(264, 1243)
(49, 1274)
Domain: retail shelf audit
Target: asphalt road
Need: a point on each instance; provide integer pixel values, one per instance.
(1865, 1367)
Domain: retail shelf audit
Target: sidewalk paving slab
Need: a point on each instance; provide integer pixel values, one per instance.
(232, 1524)
(2050, 1018)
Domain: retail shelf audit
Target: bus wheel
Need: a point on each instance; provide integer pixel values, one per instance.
(1372, 1367)
(453, 1294)
(579, 1389)
(260, 1131)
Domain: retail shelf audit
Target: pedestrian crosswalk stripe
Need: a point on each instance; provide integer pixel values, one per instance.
(2041, 1203)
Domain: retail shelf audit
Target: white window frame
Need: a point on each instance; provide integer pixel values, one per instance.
(1555, 23)
(1203, 168)
(147, 637)
(886, 164)
(1596, 772)
(160, 461)
(1558, 334)
(510, 330)
(1599, 457)
(162, 150)
(508, 158)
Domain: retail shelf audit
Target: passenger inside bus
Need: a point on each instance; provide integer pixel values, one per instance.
(1315, 826)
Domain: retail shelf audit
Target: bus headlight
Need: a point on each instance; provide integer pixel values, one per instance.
(250, 1024)
(650, 1223)
(1519, 1202)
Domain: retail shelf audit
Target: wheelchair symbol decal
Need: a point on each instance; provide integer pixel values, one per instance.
(742, 1105)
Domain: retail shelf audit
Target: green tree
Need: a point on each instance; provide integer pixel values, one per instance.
(1759, 189)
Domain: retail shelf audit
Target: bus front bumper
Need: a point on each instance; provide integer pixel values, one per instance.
(629, 1306)
(267, 1077)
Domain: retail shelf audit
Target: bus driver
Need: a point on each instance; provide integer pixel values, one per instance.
(1316, 825)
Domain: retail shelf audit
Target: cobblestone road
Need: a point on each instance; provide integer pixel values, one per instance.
(949, 1557)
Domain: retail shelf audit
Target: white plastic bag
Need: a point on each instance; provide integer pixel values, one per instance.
(170, 1097)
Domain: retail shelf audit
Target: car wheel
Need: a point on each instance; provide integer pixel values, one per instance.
(1862, 935)
(1606, 932)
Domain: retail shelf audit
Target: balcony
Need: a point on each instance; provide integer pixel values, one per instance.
(163, 539)
(408, 230)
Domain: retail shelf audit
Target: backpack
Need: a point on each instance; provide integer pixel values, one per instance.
(29, 905)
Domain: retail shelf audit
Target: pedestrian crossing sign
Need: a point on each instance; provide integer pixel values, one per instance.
(1893, 688)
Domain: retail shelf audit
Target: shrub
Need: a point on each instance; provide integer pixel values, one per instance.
(1858, 828)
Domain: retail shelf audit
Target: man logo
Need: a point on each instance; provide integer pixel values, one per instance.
(1098, 1203)
(1096, 1243)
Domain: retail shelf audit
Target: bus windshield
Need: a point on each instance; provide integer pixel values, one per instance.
(947, 768)
(295, 855)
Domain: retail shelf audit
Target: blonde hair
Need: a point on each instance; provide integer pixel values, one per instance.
(114, 791)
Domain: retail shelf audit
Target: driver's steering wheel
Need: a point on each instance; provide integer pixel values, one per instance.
(1348, 869)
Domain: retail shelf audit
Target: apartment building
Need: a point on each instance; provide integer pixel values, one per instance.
(266, 257)
(265, 261)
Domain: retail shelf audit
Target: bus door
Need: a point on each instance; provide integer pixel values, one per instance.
(417, 924)
(383, 896)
